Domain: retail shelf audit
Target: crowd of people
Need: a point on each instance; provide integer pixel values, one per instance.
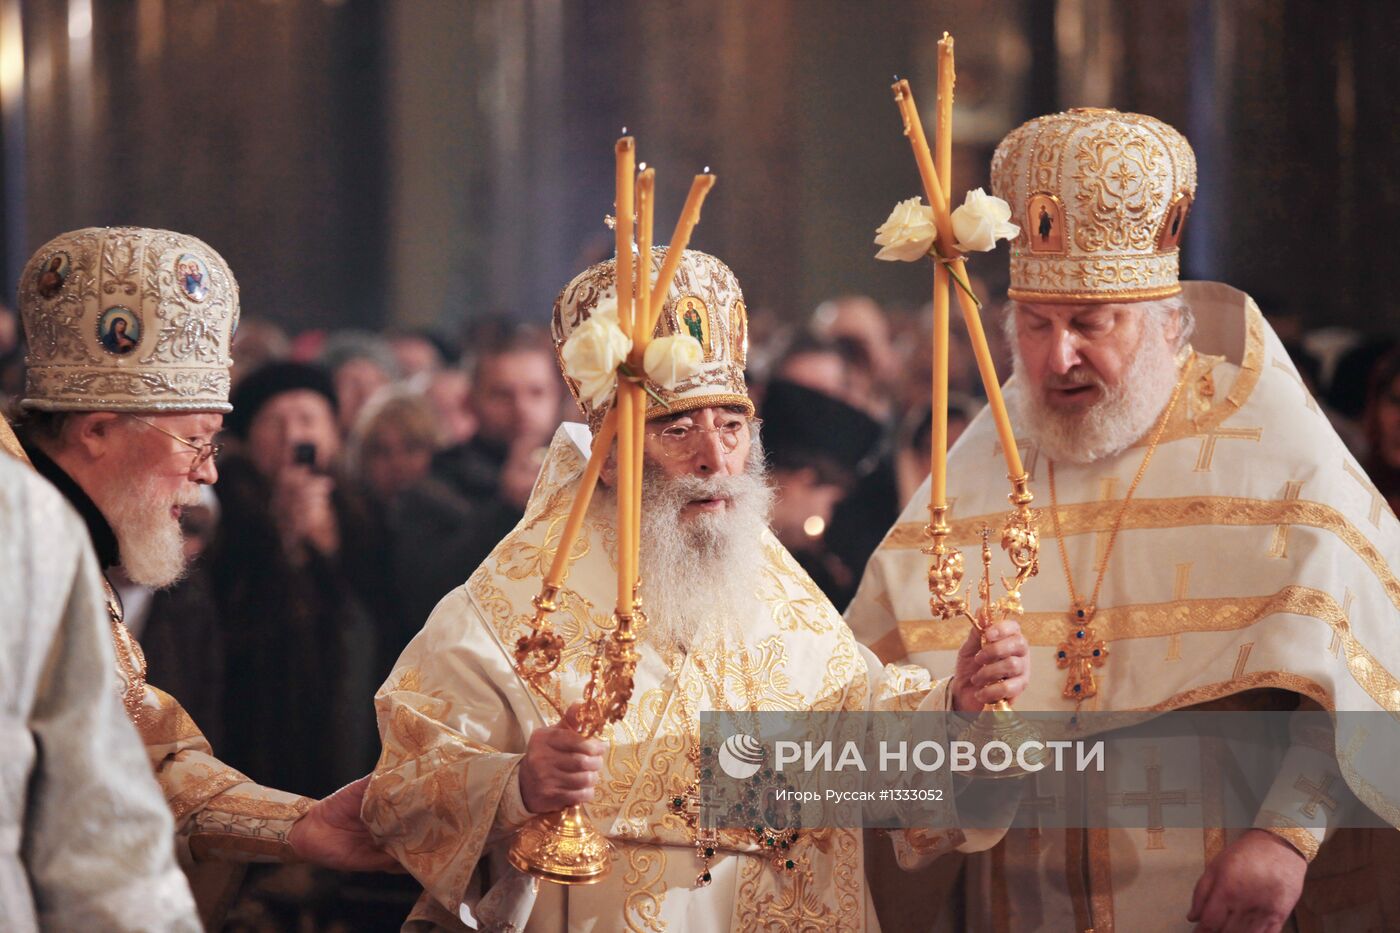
(368, 473)
(414, 451)
(364, 475)
(306, 626)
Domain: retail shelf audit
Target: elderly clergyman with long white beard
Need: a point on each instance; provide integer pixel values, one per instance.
(125, 431)
(471, 750)
(1207, 541)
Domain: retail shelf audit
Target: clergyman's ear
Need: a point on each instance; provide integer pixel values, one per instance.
(94, 433)
(1176, 323)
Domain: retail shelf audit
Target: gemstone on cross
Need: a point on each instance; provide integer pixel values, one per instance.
(1080, 654)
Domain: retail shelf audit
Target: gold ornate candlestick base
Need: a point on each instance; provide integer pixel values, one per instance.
(1021, 542)
(562, 847)
(998, 722)
(945, 571)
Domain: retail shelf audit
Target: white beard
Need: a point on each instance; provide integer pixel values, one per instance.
(699, 575)
(1121, 416)
(150, 540)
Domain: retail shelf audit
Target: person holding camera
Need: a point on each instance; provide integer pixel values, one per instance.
(298, 586)
(129, 440)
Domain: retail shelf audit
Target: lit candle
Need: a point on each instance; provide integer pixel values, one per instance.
(680, 239)
(914, 129)
(646, 324)
(988, 370)
(943, 126)
(632, 401)
(626, 522)
(646, 189)
(626, 152)
(938, 470)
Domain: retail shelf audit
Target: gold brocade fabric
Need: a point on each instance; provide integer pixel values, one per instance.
(217, 809)
(1256, 555)
(222, 819)
(455, 717)
(9, 443)
(84, 833)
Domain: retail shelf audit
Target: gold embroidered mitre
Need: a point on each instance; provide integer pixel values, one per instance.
(1101, 197)
(704, 301)
(127, 319)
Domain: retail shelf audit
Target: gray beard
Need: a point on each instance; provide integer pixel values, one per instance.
(699, 576)
(151, 543)
(1121, 417)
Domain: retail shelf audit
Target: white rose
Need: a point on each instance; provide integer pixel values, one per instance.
(981, 221)
(594, 351)
(908, 233)
(672, 360)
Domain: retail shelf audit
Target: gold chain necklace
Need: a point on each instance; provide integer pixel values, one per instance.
(130, 658)
(1082, 652)
(774, 843)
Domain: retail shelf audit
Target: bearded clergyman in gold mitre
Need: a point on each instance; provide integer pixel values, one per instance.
(471, 750)
(1208, 542)
(123, 427)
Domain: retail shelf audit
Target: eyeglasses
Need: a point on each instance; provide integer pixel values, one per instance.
(203, 453)
(682, 441)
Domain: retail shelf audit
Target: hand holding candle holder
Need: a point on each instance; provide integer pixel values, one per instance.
(563, 846)
(998, 722)
(932, 231)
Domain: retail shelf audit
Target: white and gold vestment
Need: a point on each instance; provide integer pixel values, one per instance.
(454, 717)
(84, 836)
(136, 320)
(1255, 556)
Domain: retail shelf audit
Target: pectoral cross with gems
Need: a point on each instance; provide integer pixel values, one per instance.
(1081, 654)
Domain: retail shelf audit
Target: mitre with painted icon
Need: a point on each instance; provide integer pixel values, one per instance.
(1101, 198)
(704, 302)
(127, 319)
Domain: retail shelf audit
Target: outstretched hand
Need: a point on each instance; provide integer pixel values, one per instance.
(332, 835)
(992, 665)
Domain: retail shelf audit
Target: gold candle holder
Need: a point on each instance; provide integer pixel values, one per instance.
(997, 722)
(564, 846)
(945, 572)
(1021, 542)
(537, 655)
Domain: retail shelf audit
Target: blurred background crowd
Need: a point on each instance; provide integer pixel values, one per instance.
(401, 190)
(366, 474)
